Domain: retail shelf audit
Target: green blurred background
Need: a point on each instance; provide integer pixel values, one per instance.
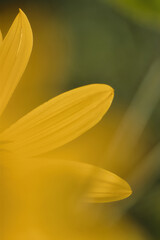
(116, 42)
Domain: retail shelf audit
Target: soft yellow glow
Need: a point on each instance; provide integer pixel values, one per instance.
(42, 195)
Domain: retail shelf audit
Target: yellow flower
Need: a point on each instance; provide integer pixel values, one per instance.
(51, 125)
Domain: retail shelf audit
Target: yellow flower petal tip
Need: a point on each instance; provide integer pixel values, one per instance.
(107, 187)
(15, 51)
(20, 11)
(60, 120)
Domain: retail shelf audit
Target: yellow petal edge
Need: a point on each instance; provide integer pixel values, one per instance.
(15, 51)
(1, 37)
(59, 120)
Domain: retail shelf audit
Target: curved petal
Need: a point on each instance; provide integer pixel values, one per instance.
(99, 185)
(15, 51)
(76, 180)
(59, 120)
(107, 187)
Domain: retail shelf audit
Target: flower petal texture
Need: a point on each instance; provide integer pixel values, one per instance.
(59, 120)
(15, 51)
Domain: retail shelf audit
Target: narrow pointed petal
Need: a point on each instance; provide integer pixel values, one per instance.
(59, 120)
(15, 51)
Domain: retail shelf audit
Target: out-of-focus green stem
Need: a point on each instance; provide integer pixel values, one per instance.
(137, 115)
(141, 181)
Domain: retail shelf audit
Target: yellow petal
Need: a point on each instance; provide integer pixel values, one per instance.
(1, 37)
(59, 120)
(107, 187)
(99, 185)
(76, 180)
(15, 51)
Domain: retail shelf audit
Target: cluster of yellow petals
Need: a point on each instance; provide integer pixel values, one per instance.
(49, 126)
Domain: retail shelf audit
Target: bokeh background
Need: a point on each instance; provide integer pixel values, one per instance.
(116, 42)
